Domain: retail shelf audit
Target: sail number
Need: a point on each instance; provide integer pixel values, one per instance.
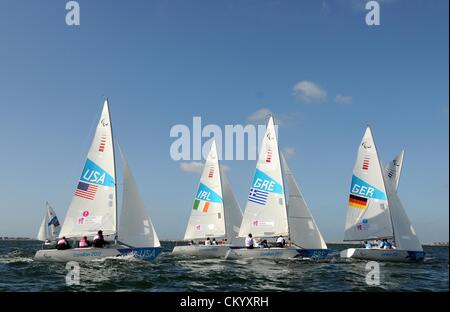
(362, 190)
(264, 185)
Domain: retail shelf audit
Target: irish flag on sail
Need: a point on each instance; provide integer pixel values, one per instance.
(93, 205)
(207, 215)
(265, 212)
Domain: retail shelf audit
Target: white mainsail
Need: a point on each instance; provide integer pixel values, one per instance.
(135, 227)
(207, 215)
(50, 227)
(232, 212)
(265, 212)
(303, 230)
(393, 170)
(93, 205)
(368, 215)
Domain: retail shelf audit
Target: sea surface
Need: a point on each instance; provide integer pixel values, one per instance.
(19, 273)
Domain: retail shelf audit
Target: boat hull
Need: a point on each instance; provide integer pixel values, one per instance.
(214, 251)
(276, 253)
(394, 255)
(92, 253)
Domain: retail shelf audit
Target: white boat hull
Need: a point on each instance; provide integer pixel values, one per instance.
(276, 253)
(214, 251)
(92, 253)
(394, 255)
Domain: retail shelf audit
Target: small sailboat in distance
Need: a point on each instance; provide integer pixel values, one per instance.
(50, 227)
(215, 214)
(375, 211)
(94, 207)
(267, 215)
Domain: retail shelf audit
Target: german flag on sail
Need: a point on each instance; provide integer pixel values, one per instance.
(357, 201)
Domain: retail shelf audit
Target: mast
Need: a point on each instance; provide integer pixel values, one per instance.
(223, 198)
(114, 161)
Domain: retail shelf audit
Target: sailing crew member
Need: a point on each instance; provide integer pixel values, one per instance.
(387, 245)
(367, 245)
(84, 243)
(207, 241)
(264, 244)
(214, 241)
(99, 241)
(249, 242)
(63, 243)
(280, 241)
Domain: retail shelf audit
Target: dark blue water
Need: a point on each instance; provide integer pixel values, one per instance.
(18, 272)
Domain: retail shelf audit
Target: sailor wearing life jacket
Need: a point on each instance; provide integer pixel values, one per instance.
(99, 241)
(63, 244)
(84, 243)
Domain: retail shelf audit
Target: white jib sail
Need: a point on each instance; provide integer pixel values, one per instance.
(405, 235)
(93, 205)
(207, 215)
(265, 212)
(303, 230)
(135, 227)
(50, 226)
(393, 171)
(42, 234)
(232, 212)
(368, 214)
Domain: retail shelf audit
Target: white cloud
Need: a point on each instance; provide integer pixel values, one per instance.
(193, 166)
(288, 152)
(197, 167)
(343, 99)
(260, 116)
(309, 92)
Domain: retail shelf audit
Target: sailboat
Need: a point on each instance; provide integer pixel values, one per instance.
(215, 213)
(50, 227)
(267, 215)
(94, 207)
(375, 210)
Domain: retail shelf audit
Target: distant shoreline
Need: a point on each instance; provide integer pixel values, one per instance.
(7, 238)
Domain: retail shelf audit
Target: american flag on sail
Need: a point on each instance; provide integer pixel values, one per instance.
(258, 196)
(86, 190)
(101, 148)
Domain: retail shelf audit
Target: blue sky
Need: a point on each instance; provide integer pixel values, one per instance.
(163, 62)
